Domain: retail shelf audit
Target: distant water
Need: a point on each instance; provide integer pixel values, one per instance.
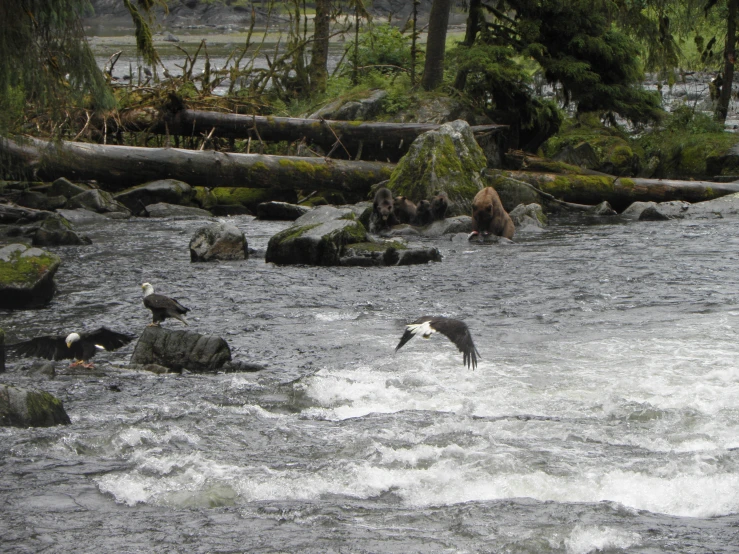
(602, 418)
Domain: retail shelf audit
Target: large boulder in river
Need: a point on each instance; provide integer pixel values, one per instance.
(162, 209)
(334, 236)
(57, 231)
(445, 160)
(219, 241)
(170, 191)
(280, 211)
(317, 238)
(179, 350)
(26, 276)
(27, 408)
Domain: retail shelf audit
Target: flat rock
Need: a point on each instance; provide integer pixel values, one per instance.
(162, 209)
(170, 191)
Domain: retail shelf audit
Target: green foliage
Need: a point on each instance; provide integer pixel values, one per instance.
(384, 46)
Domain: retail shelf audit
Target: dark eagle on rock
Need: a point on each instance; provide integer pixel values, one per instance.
(78, 346)
(162, 307)
(454, 329)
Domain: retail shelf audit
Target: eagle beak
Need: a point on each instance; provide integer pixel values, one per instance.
(69, 345)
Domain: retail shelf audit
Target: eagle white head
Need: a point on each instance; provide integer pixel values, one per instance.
(148, 289)
(72, 337)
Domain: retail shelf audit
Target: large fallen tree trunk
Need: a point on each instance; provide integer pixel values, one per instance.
(125, 166)
(354, 139)
(620, 192)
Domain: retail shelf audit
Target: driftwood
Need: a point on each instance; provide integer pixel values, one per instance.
(355, 139)
(125, 166)
(10, 213)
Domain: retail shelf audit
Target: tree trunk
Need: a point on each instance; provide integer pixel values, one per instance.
(433, 71)
(125, 166)
(318, 68)
(473, 25)
(722, 109)
(618, 192)
(378, 140)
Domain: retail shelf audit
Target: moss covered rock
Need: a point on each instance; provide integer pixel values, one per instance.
(179, 350)
(219, 241)
(170, 191)
(446, 160)
(26, 408)
(26, 276)
(587, 143)
(250, 198)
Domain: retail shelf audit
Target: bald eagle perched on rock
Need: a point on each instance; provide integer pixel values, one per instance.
(162, 306)
(78, 346)
(454, 329)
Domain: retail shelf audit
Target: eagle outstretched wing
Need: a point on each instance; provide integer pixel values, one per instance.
(454, 329)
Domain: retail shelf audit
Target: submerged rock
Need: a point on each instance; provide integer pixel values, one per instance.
(178, 350)
(445, 160)
(26, 408)
(663, 211)
(219, 241)
(26, 276)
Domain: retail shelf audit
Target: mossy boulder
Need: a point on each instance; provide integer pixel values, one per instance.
(250, 198)
(445, 160)
(64, 187)
(317, 238)
(40, 201)
(27, 408)
(170, 191)
(57, 231)
(355, 108)
(26, 276)
(280, 211)
(587, 143)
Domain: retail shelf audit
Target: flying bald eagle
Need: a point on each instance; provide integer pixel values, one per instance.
(454, 329)
(162, 306)
(78, 346)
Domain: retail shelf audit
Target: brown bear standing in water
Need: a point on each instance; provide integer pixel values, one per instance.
(423, 214)
(404, 209)
(382, 211)
(439, 206)
(489, 216)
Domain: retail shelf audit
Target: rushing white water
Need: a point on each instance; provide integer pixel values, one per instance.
(602, 415)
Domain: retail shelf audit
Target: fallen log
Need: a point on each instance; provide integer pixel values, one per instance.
(125, 166)
(620, 192)
(355, 139)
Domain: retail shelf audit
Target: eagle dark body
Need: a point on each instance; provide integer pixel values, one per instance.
(163, 307)
(454, 329)
(55, 347)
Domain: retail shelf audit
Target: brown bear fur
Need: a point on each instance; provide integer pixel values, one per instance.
(382, 211)
(404, 209)
(423, 213)
(439, 206)
(489, 216)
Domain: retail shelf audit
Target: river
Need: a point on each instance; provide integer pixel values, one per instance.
(602, 417)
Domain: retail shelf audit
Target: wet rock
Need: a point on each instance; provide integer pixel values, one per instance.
(448, 226)
(413, 256)
(81, 216)
(445, 160)
(280, 211)
(219, 241)
(374, 254)
(162, 209)
(40, 201)
(353, 110)
(318, 238)
(21, 407)
(57, 231)
(153, 368)
(99, 201)
(42, 368)
(240, 366)
(179, 350)
(635, 210)
(528, 218)
(170, 191)
(26, 276)
(2, 350)
(64, 187)
(663, 211)
(230, 209)
(604, 208)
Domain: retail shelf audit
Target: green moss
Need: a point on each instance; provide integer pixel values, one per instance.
(42, 406)
(378, 246)
(293, 233)
(25, 270)
(248, 197)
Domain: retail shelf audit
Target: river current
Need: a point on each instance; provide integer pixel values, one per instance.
(602, 417)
